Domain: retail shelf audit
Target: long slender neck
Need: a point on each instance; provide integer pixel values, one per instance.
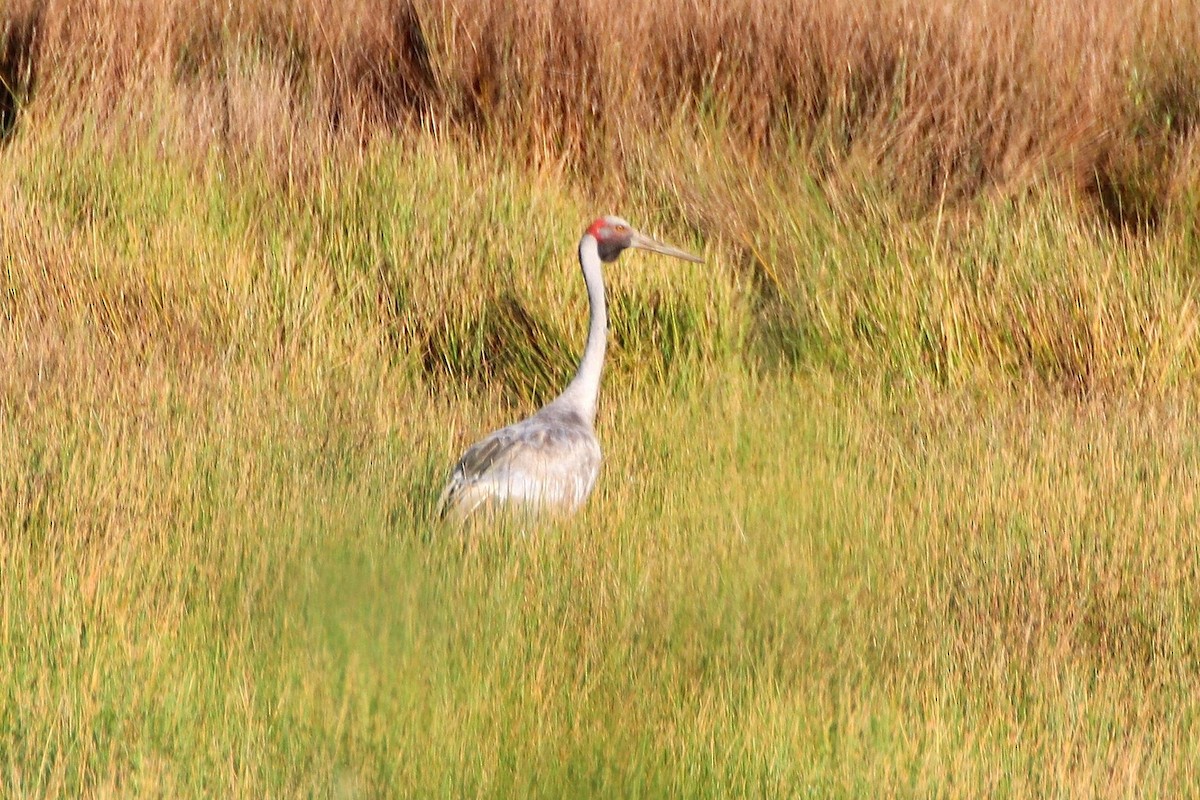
(584, 389)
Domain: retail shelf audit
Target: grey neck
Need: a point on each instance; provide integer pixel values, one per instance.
(582, 392)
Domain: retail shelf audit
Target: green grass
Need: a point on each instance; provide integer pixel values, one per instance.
(890, 506)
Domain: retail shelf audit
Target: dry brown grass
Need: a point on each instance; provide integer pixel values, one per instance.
(940, 100)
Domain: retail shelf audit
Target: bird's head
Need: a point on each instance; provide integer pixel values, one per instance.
(613, 235)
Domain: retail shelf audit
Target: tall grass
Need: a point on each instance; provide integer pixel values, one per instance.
(940, 100)
(902, 129)
(899, 492)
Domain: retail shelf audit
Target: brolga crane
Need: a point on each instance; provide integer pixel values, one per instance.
(550, 460)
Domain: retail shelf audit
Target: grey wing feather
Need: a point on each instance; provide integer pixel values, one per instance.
(475, 462)
(542, 441)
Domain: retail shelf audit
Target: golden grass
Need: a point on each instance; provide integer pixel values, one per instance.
(837, 590)
(899, 493)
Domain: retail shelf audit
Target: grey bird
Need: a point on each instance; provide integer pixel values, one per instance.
(550, 460)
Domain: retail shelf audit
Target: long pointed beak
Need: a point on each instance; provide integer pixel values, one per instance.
(644, 242)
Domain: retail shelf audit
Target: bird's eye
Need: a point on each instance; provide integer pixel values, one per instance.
(620, 229)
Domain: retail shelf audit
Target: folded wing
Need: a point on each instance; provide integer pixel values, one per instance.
(543, 461)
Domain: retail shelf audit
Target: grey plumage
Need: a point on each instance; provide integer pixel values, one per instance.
(551, 459)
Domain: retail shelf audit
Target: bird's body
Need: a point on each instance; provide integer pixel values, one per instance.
(550, 460)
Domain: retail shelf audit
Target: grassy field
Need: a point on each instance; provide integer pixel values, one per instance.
(900, 494)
